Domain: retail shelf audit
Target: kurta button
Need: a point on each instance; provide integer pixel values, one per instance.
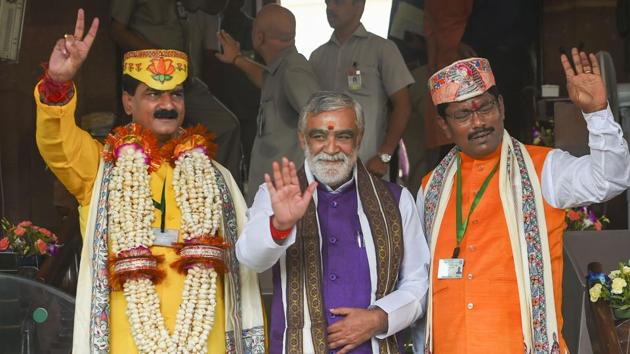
(472, 248)
(476, 221)
(334, 204)
(333, 240)
(470, 306)
(332, 277)
(470, 276)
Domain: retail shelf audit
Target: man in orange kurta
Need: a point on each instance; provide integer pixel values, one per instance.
(496, 274)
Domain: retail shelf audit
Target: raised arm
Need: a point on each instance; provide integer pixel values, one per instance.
(569, 181)
(232, 55)
(70, 152)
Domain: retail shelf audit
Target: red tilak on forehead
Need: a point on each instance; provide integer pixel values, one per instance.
(474, 105)
(331, 126)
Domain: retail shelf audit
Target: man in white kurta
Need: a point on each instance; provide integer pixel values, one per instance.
(362, 257)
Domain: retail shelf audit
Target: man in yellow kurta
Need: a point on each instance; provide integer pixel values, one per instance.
(494, 213)
(153, 95)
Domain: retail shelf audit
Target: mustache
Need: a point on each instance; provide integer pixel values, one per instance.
(480, 132)
(322, 156)
(165, 113)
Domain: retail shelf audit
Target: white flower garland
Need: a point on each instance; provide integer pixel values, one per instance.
(130, 218)
(130, 202)
(197, 194)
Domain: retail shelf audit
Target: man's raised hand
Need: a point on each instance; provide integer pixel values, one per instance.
(231, 48)
(70, 52)
(287, 200)
(584, 84)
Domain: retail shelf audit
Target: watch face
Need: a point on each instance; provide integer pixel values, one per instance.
(385, 157)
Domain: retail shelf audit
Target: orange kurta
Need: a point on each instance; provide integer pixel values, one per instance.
(480, 313)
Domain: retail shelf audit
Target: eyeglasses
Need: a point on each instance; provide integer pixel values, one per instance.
(463, 117)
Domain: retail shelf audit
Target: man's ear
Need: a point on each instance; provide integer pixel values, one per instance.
(127, 102)
(446, 129)
(260, 36)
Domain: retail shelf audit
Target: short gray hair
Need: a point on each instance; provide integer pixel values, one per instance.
(327, 101)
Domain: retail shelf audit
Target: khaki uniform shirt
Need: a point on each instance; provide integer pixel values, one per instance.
(288, 83)
(383, 73)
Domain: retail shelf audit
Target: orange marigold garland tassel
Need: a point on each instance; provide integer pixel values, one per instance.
(136, 136)
(197, 137)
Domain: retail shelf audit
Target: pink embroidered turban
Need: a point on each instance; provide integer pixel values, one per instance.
(461, 80)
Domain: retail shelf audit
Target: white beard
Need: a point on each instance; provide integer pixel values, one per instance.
(332, 170)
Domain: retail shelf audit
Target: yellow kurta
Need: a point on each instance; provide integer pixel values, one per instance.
(481, 313)
(73, 156)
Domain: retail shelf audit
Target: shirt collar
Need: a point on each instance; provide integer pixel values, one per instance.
(359, 32)
(493, 156)
(339, 189)
(310, 177)
(275, 64)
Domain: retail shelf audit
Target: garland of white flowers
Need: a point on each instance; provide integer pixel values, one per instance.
(197, 194)
(130, 219)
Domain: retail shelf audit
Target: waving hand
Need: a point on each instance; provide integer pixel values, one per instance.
(584, 84)
(287, 200)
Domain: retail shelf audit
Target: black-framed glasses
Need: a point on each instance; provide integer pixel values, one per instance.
(463, 117)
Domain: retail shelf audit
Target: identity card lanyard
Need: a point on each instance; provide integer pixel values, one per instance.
(461, 226)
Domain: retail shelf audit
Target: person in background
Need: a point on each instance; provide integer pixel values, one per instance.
(227, 82)
(371, 70)
(287, 81)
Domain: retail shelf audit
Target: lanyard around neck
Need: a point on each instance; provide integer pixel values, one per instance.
(462, 225)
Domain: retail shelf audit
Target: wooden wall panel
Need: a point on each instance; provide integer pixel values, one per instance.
(568, 23)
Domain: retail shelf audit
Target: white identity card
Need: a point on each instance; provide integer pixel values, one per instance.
(166, 238)
(451, 268)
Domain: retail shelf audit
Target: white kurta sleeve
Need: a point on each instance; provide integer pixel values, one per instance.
(418, 328)
(407, 303)
(569, 181)
(256, 248)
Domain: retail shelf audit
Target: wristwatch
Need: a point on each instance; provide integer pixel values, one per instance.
(385, 158)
